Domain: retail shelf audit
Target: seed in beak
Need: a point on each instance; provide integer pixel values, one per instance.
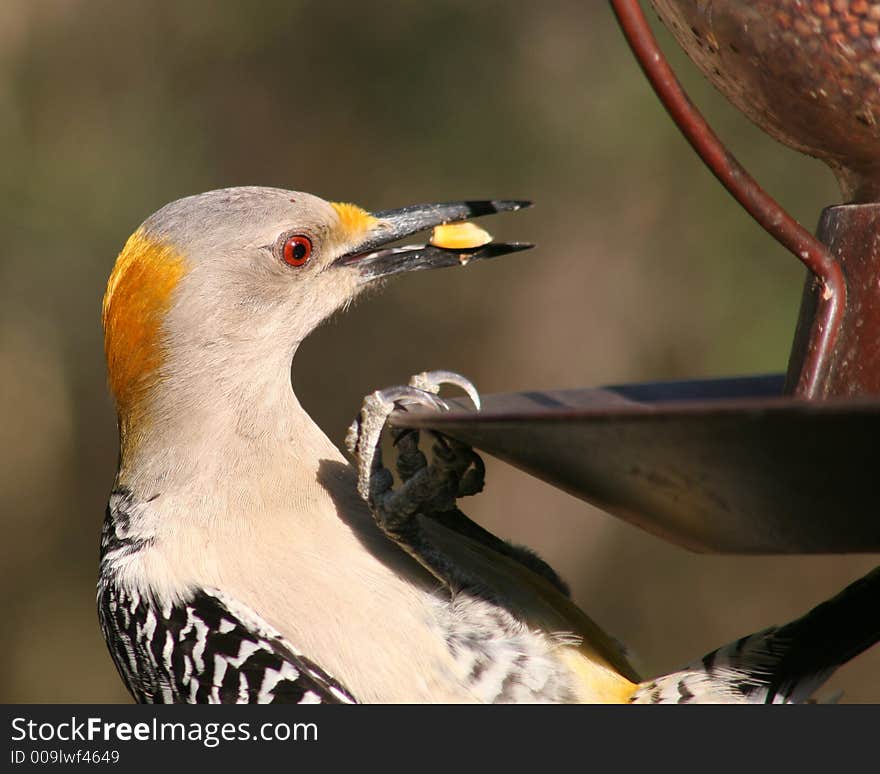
(459, 236)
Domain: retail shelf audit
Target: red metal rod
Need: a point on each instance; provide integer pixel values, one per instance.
(746, 190)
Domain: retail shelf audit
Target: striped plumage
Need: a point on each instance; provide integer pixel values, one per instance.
(208, 648)
(781, 664)
(240, 564)
(202, 648)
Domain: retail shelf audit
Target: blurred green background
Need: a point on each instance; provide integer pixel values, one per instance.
(645, 269)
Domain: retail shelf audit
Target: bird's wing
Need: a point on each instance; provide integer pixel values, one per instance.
(598, 659)
(207, 648)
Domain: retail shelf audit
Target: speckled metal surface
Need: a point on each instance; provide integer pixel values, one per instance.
(806, 71)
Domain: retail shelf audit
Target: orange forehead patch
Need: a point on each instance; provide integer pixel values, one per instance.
(137, 298)
(353, 220)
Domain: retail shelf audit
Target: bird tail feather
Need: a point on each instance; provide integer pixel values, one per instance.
(783, 664)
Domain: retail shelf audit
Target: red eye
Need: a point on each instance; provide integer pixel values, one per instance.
(297, 250)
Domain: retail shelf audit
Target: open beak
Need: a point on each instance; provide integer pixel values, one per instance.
(374, 260)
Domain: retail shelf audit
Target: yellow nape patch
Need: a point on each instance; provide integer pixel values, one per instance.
(354, 221)
(137, 298)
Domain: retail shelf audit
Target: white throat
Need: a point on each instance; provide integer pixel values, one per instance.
(217, 413)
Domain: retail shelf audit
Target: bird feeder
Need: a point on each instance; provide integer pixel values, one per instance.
(757, 464)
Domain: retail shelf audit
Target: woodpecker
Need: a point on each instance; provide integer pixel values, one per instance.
(244, 559)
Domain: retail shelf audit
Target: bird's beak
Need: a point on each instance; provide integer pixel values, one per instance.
(374, 259)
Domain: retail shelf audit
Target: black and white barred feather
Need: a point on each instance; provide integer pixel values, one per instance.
(205, 648)
(782, 664)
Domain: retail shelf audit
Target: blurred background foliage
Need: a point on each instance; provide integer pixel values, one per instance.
(645, 268)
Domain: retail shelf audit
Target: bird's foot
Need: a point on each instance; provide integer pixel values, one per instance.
(455, 470)
(365, 433)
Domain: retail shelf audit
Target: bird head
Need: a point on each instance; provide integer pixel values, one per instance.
(211, 296)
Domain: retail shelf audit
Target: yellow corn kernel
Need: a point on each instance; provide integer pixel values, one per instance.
(459, 236)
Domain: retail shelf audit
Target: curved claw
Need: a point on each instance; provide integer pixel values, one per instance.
(431, 381)
(411, 395)
(362, 438)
